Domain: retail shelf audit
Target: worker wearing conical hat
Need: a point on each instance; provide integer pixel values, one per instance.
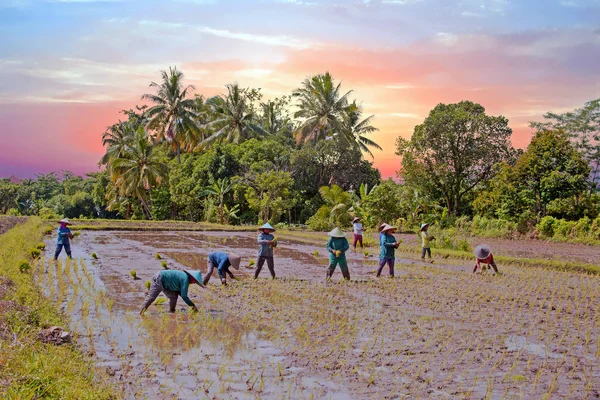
(266, 242)
(63, 240)
(337, 245)
(483, 255)
(173, 284)
(388, 245)
(221, 261)
(426, 239)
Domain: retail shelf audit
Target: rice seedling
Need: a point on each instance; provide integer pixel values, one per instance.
(34, 253)
(147, 284)
(164, 264)
(157, 256)
(315, 253)
(160, 300)
(94, 256)
(133, 274)
(24, 266)
(40, 246)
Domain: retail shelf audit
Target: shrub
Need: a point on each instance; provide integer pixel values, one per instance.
(13, 212)
(320, 221)
(546, 226)
(47, 213)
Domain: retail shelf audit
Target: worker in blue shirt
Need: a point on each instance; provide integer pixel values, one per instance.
(172, 283)
(64, 234)
(221, 261)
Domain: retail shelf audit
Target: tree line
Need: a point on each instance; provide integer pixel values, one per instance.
(234, 158)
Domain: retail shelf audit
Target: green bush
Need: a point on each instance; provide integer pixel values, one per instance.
(47, 213)
(13, 212)
(320, 221)
(546, 226)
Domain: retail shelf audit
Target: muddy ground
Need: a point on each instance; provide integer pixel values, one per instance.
(436, 331)
(7, 222)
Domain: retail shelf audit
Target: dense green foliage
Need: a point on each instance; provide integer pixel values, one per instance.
(236, 159)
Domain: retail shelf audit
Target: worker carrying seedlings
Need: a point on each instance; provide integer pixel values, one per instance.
(222, 261)
(483, 255)
(388, 245)
(63, 240)
(266, 242)
(426, 239)
(337, 246)
(358, 232)
(172, 283)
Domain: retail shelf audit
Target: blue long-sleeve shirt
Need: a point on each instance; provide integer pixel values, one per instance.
(177, 281)
(63, 235)
(220, 260)
(386, 243)
(264, 250)
(334, 244)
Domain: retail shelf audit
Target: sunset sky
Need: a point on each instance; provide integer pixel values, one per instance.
(67, 67)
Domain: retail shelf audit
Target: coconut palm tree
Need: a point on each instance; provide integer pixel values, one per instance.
(275, 118)
(173, 116)
(139, 169)
(322, 108)
(218, 188)
(116, 139)
(355, 130)
(233, 118)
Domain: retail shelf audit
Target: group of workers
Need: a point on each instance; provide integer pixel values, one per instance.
(175, 283)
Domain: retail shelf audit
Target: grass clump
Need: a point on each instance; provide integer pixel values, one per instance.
(94, 256)
(164, 264)
(24, 266)
(35, 253)
(29, 368)
(40, 246)
(157, 256)
(133, 274)
(315, 253)
(147, 284)
(251, 262)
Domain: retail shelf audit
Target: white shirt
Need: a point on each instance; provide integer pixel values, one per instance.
(358, 228)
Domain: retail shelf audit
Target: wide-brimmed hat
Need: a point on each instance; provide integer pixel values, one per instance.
(424, 225)
(235, 260)
(356, 219)
(196, 275)
(337, 233)
(482, 251)
(65, 221)
(266, 226)
(383, 224)
(387, 228)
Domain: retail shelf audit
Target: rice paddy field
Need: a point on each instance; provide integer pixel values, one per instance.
(434, 331)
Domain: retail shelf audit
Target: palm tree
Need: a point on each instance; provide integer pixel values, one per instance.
(355, 129)
(116, 139)
(338, 201)
(173, 117)
(233, 117)
(322, 108)
(274, 117)
(218, 188)
(139, 169)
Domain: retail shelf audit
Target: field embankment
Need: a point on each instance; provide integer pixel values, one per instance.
(29, 368)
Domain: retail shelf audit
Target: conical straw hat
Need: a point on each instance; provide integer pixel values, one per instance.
(266, 226)
(337, 233)
(234, 259)
(65, 221)
(197, 275)
(482, 251)
(387, 228)
(424, 225)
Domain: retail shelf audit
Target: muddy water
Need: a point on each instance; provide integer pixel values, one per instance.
(162, 355)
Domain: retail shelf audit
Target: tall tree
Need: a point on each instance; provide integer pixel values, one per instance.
(583, 127)
(173, 116)
(139, 169)
(454, 150)
(355, 129)
(233, 116)
(218, 189)
(322, 108)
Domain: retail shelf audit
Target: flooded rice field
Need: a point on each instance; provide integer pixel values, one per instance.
(435, 331)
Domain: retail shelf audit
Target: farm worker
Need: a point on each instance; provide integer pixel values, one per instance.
(426, 239)
(358, 232)
(483, 255)
(388, 245)
(266, 242)
(172, 283)
(221, 261)
(64, 234)
(337, 246)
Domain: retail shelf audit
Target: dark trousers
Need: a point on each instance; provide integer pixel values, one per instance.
(343, 267)
(426, 250)
(261, 262)
(59, 247)
(211, 268)
(358, 239)
(390, 262)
